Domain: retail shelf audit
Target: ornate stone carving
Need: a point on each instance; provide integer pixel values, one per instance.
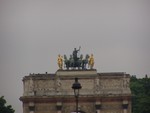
(126, 82)
(58, 85)
(110, 84)
(96, 85)
(31, 85)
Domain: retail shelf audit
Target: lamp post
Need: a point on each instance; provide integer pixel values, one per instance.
(76, 86)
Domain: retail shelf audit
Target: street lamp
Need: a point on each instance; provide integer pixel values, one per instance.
(76, 86)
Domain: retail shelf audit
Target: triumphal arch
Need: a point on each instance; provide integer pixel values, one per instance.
(53, 93)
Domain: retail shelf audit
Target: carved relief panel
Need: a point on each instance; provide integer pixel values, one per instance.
(44, 87)
(112, 107)
(28, 86)
(39, 87)
(110, 83)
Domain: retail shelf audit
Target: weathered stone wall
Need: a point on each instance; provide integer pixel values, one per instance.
(110, 90)
(32, 86)
(116, 84)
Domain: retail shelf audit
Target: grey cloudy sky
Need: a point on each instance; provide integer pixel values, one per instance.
(33, 33)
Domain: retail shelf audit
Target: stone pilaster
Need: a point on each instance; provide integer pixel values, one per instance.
(59, 107)
(98, 107)
(31, 107)
(125, 106)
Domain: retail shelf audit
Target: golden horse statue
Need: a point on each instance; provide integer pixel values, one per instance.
(91, 61)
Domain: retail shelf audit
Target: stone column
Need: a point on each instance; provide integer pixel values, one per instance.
(125, 106)
(59, 107)
(31, 107)
(98, 107)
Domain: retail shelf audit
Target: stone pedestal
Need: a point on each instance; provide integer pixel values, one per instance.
(76, 73)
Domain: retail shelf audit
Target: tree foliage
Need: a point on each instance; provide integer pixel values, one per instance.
(5, 108)
(140, 89)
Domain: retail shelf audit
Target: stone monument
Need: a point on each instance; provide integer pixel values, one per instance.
(100, 93)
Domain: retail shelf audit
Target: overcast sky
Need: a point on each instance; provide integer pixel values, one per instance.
(33, 33)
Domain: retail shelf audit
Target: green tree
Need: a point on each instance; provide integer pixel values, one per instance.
(140, 89)
(5, 108)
